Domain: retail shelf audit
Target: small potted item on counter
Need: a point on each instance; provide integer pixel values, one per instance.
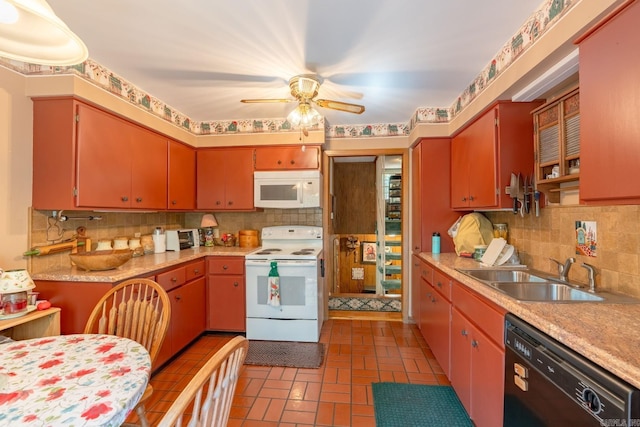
(228, 239)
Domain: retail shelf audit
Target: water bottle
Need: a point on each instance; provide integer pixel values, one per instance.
(435, 243)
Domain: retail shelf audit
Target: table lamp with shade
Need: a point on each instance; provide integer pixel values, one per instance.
(209, 224)
(14, 288)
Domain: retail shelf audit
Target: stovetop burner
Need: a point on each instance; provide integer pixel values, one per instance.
(303, 252)
(268, 251)
(289, 242)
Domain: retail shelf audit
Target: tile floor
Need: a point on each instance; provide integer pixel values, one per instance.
(358, 353)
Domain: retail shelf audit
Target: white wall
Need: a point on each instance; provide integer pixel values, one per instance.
(16, 135)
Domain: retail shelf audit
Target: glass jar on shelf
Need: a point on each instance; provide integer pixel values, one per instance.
(501, 230)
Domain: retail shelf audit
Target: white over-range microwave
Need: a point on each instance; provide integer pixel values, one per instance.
(287, 189)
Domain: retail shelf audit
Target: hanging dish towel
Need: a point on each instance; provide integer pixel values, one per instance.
(274, 291)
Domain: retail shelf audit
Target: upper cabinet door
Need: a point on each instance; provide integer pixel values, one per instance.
(148, 169)
(287, 157)
(473, 169)
(182, 177)
(485, 154)
(103, 159)
(225, 179)
(239, 179)
(609, 110)
(211, 179)
(85, 157)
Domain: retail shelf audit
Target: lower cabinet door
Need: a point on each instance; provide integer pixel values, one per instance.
(461, 358)
(226, 303)
(477, 372)
(187, 313)
(487, 380)
(187, 319)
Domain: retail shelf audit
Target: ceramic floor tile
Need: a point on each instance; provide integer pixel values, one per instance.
(359, 353)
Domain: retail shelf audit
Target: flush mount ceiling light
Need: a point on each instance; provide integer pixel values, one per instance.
(31, 32)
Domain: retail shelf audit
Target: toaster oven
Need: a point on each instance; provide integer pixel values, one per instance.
(182, 239)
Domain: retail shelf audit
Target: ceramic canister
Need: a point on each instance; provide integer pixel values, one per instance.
(121, 243)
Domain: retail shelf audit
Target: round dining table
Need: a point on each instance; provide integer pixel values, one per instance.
(78, 380)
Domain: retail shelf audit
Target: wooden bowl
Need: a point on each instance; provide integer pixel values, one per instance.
(101, 260)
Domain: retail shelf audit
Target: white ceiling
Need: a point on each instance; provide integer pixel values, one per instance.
(202, 56)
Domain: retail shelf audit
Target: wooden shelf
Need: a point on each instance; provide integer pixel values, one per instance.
(36, 324)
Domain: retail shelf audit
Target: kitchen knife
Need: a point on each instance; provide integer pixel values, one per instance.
(513, 192)
(527, 193)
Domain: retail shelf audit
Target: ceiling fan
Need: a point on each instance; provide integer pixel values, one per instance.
(304, 89)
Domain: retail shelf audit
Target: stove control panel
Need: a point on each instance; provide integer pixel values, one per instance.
(296, 232)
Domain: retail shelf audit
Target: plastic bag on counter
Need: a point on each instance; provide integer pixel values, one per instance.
(473, 229)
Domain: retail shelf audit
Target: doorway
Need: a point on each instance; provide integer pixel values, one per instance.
(365, 204)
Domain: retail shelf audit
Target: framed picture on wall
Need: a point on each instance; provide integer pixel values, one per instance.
(368, 252)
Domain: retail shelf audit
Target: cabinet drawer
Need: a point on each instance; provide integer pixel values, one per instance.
(477, 310)
(442, 283)
(226, 265)
(194, 270)
(426, 272)
(172, 279)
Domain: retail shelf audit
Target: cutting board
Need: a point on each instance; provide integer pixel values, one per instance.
(493, 251)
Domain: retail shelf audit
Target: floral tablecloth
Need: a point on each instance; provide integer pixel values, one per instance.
(74, 380)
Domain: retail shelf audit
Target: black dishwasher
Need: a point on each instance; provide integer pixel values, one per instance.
(548, 384)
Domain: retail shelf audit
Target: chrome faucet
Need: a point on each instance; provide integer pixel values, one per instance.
(591, 274)
(563, 269)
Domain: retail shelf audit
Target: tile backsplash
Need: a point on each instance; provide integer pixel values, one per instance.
(45, 229)
(553, 235)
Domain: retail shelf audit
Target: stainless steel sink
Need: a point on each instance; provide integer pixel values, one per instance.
(503, 275)
(525, 284)
(545, 292)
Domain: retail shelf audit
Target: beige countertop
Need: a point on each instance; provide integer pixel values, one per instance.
(139, 266)
(606, 333)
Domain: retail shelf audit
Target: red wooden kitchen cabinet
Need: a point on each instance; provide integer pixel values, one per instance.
(225, 179)
(435, 317)
(416, 268)
(430, 192)
(477, 356)
(287, 157)
(609, 110)
(226, 309)
(185, 285)
(85, 157)
(75, 299)
(487, 151)
(181, 187)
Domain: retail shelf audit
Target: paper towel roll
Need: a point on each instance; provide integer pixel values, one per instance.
(159, 243)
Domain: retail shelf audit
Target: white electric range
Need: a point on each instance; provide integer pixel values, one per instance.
(298, 253)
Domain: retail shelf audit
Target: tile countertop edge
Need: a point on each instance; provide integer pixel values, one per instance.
(139, 266)
(605, 333)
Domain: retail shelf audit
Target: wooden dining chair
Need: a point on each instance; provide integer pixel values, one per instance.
(217, 379)
(138, 309)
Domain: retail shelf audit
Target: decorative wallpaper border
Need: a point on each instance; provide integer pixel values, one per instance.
(547, 15)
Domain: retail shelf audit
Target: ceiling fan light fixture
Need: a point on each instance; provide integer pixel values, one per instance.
(304, 116)
(38, 36)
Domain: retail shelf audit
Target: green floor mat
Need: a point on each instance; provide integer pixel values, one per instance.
(404, 405)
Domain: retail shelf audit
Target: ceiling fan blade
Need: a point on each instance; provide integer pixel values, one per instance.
(341, 106)
(266, 100)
